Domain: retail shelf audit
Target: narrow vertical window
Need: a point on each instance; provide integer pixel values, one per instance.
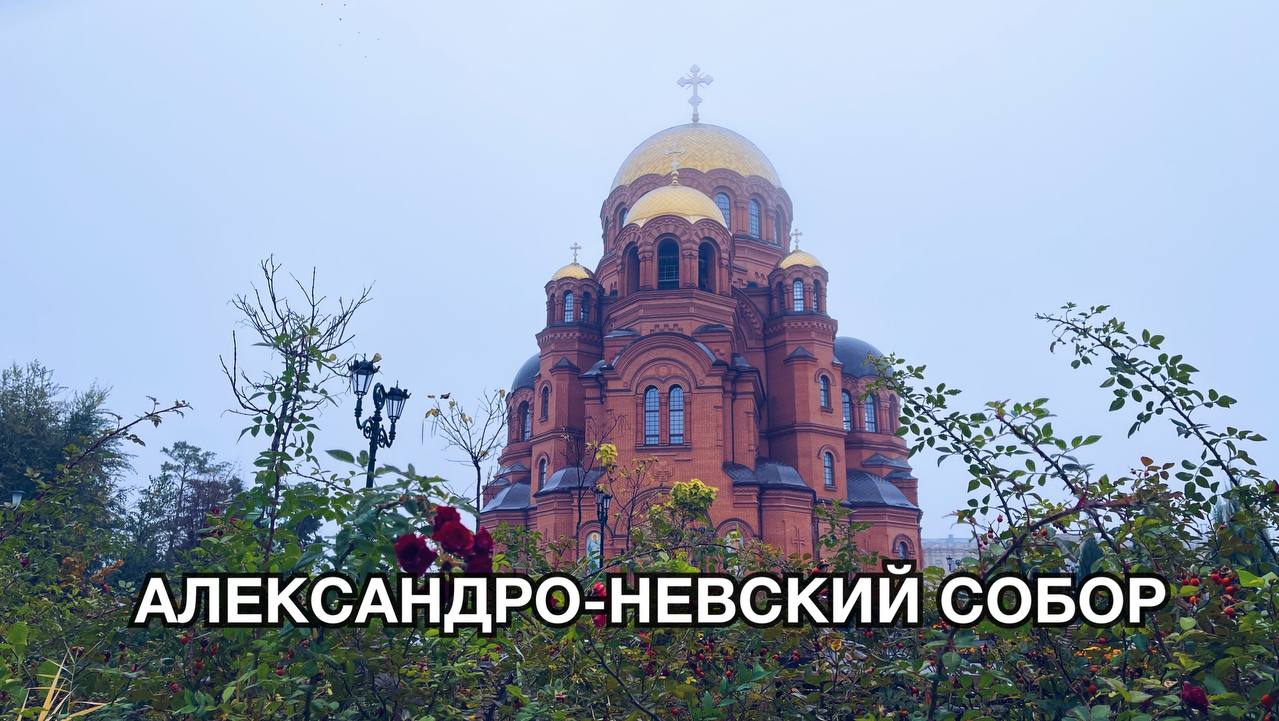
(568, 307)
(828, 469)
(725, 207)
(872, 421)
(541, 473)
(586, 307)
(797, 296)
(903, 550)
(668, 264)
(546, 402)
(675, 417)
(777, 229)
(823, 384)
(632, 264)
(526, 421)
(706, 267)
(621, 217)
(817, 296)
(846, 399)
(754, 219)
(652, 417)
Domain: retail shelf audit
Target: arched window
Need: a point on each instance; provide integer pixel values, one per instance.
(797, 296)
(781, 298)
(526, 421)
(652, 418)
(546, 402)
(541, 472)
(828, 469)
(631, 269)
(777, 229)
(823, 384)
(846, 400)
(621, 217)
(706, 267)
(725, 207)
(872, 421)
(902, 549)
(586, 307)
(754, 219)
(568, 307)
(817, 296)
(675, 417)
(668, 264)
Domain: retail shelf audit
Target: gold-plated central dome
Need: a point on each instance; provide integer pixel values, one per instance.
(799, 257)
(572, 270)
(679, 200)
(699, 146)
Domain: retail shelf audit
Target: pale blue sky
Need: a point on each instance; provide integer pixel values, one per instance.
(957, 166)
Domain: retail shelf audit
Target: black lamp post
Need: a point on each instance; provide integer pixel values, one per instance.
(361, 376)
(602, 501)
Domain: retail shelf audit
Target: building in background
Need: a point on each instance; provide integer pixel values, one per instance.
(701, 341)
(947, 553)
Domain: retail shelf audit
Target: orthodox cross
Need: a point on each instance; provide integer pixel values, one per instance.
(798, 539)
(695, 78)
(575, 247)
(674, 152)
(794, 238)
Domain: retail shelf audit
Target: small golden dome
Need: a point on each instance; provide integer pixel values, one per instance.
(680, 200)
(799, 257)
(573, 270)
(701, 147)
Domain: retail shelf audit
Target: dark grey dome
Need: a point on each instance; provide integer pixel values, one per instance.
(869, 490)
(767, 472)
(571, 479)
(527, 372)
(514, 497)
(852, 352)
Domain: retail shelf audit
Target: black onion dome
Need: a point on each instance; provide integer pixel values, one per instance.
(527, 372)
(853, 352)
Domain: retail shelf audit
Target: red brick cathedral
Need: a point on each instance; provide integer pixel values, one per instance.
(701, 341)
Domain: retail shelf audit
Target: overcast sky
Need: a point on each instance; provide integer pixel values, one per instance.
(957, 167)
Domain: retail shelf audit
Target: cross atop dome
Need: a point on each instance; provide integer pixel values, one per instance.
(695, 79)
(794, 238)
(674, 152)
(575, 247)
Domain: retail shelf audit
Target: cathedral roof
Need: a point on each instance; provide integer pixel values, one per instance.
(853, 353)
(767, 472)
(678, 200)
(569, 479)
(701, 147)
(514, 497)
(799, 257)
(527, 372)
(867, 489)
(573, 270)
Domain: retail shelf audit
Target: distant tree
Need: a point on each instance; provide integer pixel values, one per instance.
(41, 425)
(173, 511)
(476, 435)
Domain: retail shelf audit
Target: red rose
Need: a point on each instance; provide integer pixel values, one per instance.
(1194, 696)
(483, 544)
(599, 620)
(446, 514)
(599, 589)
(413, 555)
(454, 537)
(479, 564)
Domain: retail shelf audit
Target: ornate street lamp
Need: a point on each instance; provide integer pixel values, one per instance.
(361, 372)
(602, 501)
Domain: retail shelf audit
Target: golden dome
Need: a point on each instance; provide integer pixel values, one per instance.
(572, 270)
(680, 200)
(702, 147)
(799, 257)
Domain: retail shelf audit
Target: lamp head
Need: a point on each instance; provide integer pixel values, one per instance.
(361, 373)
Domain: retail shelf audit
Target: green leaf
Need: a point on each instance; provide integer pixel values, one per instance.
(341, 455)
